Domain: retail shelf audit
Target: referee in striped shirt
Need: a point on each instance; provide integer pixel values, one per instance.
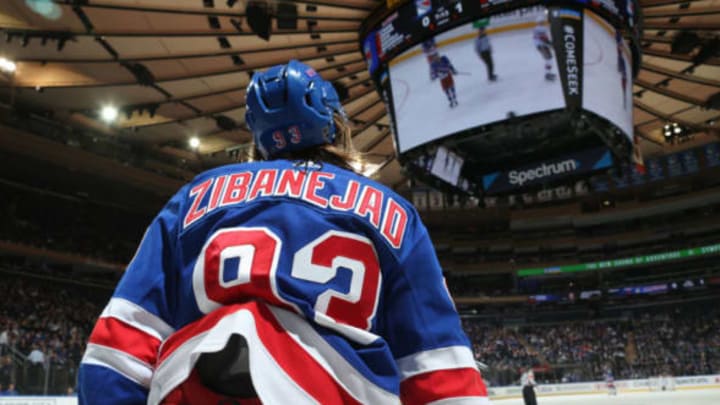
(527, 380)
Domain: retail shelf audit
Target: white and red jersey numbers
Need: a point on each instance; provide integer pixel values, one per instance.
(239, 264)
(319, 262)
(254, 253)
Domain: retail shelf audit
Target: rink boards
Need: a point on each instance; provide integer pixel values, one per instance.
(697, 396)
(711, 382)
(696, 390)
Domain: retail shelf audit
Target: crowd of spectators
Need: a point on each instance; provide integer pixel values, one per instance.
(70, 225)
(685, 343)
(681, 341)
(578, 342)
(501, 349)
(43, 329)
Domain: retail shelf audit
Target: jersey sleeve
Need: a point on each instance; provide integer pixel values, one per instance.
(425, 334)
(119, 360)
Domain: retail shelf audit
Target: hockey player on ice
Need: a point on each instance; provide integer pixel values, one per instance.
(429, 48)
(541, 36)
(621, 67)
(610, 381)
(441, 68)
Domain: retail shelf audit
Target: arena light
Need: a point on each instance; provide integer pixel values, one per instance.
(7, 66)
(109, 113)
(194, 142)
(668, 130)
(370, 169)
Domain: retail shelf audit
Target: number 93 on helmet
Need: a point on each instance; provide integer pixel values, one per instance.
(291, 108)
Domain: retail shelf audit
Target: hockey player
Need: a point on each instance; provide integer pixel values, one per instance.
(610, 381)
(429, 48)
(541, 36)
(288, 279)
(484, 51)
(621, 66)
(441, 68)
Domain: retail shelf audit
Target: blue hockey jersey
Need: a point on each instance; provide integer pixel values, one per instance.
(331, 277)
(441, 68)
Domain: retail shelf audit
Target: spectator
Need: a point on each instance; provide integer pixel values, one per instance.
(5, 370)
(36, 356)
(10, 391)
(4, 340)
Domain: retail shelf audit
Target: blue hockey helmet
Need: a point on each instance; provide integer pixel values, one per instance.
(290, 108)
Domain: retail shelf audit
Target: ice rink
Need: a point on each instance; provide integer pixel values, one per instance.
(686, 397)
(602, 88)
(422, 109)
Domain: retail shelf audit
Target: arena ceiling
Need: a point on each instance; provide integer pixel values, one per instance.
(178, 69)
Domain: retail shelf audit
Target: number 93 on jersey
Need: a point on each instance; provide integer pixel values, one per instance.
(334, 279)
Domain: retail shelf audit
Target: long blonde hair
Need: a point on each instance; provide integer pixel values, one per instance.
(341, 152)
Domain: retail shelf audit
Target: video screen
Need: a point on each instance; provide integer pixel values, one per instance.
(482, 72)
(607, 80)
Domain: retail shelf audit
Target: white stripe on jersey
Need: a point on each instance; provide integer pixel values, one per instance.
(445, 358)
(137, 317)
(270, 381)
(462, 401)
(126, 365)
(333, 362)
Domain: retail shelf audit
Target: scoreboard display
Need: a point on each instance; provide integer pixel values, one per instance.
(461, 78)
(417, 20)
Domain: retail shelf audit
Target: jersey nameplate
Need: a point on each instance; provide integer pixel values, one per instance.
(368, 202)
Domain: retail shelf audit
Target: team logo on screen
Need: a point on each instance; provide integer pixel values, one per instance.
(423, 7)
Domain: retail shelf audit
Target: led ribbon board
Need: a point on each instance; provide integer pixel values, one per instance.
(625, 262)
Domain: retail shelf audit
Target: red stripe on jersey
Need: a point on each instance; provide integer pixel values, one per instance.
(302, 368)
(116, 334)
(442, 384)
